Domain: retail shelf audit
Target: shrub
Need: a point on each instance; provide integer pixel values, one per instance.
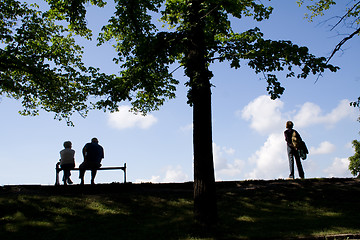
(354, 165)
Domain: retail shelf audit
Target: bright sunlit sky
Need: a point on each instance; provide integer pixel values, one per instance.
(248, 140)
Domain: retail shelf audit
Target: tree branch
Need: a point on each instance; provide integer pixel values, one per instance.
(338, 47)
(210, 11)
(342, 18)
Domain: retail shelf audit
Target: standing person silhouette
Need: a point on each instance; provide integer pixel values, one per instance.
(67, 161)
(93, 154)
(292, 149)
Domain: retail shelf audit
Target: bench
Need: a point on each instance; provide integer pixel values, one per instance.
(58, 169)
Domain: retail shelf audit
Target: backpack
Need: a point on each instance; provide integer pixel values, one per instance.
(296, 139)
(299, 144)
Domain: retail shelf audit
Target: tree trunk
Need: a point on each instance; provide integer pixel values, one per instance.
(204, 180)
(205, 209)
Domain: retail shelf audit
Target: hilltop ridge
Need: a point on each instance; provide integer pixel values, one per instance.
(241, 185)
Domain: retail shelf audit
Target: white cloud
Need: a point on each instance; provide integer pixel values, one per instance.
(175, 174)
(229, 151)
(338, 168)
(124, 118)
(186, 128)
(264, 114)
(343, 110)
(349, 145)
(153, 179)
(219, 159)
(324, 148)
(223, 168)
(271, 159)
(311, 114)
(171, 174)
(232, 169)
(308, 114)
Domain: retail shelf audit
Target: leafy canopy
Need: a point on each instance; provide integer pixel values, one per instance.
(45, 69)
(146, 51)
(40, 62)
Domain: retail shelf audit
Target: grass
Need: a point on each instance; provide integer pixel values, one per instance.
(279, 209)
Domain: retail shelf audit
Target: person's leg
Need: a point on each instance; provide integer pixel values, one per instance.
(93, 175)
(71, 166)
(299, 165)
(82, 169)
(66, 171)
(66, 175)
(82, 173)
(291, 162)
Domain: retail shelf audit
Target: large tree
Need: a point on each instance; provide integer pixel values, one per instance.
(200, 33)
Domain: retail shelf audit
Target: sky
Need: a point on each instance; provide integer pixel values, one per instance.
(248, 139)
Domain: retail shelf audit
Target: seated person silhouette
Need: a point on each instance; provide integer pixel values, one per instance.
(93, 154)
(67, 161)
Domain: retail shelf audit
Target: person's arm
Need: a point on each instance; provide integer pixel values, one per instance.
(84, 151)
(102, 152)
(298, 134)
(288, 135)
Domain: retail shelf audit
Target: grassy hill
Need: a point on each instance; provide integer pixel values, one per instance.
(276, 209)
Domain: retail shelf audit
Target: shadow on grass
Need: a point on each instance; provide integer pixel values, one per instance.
(247, 210)
(296, 209)
(100, 216)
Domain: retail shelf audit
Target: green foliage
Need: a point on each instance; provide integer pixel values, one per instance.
(317, 7)
(40, 62)
(354, 165)
(144, 56)
(74, 12)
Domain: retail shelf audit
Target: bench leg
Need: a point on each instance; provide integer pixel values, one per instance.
(57, 169)
(124, 172)
(57, 179)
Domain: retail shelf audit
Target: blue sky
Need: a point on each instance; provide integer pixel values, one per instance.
(248, 127)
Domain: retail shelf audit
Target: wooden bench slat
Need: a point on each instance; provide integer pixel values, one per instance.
(102, 168)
